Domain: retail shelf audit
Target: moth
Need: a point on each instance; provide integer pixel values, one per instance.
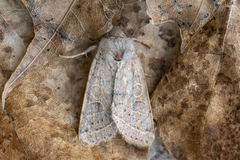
(116, 99)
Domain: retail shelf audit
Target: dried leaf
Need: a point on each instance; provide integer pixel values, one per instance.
(196, 103)
(16, 33)
(59, 28)
(10, 145)
(191, 16)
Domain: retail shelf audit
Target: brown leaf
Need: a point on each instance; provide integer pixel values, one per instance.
(16, 33)
(10, 145)
(59, 28)
(191, 16)
(196, 103)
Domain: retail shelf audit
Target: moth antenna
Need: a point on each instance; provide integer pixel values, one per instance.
(89, 49)
(136, 40)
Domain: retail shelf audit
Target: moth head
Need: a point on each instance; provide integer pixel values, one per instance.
(118, 56)
(116, 32)
(119, 49)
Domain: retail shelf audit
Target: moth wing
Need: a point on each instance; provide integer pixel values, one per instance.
(96, 123)
(131, 109)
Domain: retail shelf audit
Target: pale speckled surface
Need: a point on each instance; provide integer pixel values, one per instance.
(131, 109)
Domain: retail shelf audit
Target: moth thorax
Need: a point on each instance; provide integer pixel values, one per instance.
(119, 49)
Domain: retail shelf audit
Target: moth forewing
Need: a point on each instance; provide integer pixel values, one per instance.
(96, 124)
(131, 109)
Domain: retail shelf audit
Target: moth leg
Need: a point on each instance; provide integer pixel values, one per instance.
(136, 40)
(89, 49)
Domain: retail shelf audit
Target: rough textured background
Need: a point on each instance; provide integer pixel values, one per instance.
(43, 111)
